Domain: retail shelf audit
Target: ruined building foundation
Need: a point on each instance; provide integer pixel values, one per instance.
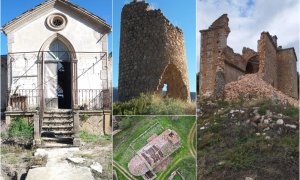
(152, 54)
(220, 65)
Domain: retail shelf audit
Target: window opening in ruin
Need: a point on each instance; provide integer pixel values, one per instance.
(252, 65)
(164, 90)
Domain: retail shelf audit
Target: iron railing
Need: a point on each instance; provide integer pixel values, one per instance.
(90, 99)
(27, 81)
(26, 99)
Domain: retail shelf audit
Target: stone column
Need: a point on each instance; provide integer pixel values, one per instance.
(37, 135)
(107, 122)
(76, 140)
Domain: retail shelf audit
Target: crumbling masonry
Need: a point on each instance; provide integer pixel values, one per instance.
(152, 54)
(220, 65)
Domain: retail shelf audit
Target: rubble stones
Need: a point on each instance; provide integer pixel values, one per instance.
(97, 167)
(280, 122)
(291, 126)
(257, 87)
(76, 160)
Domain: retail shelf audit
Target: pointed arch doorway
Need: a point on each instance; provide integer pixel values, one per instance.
(57, 78)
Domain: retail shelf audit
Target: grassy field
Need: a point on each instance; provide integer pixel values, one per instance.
(133, 127)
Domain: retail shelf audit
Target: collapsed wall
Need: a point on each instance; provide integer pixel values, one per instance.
(220, 65)
(152, 54)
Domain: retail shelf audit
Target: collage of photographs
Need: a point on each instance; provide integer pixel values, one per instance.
(149, 89)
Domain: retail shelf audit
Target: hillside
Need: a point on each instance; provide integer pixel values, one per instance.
(250, 140)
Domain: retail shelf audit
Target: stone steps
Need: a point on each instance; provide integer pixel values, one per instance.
(64, 140)
(57, 128)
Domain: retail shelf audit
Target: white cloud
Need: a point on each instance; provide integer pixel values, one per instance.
(248, 18)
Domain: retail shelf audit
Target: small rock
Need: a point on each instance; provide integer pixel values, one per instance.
(267, 137)
(280, 121)
(249, 178)
(256, 118)
(257, 134)
(253, 124)
(40, 152)
(266, 121)
(266, 129)
(202, 128)
(291, 126)
(96, 167)
(76, 160)
(268, 112)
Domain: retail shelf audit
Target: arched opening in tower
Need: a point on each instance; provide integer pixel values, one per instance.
(172, 84)
(252, 65)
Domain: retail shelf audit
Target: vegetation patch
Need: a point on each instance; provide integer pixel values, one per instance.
(88, 137)
(232, 143)
(148, 104)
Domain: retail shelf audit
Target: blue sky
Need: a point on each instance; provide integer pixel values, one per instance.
(180, 13)
(248, 18)
(12, 8)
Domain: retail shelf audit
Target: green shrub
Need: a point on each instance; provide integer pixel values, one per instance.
(88, 137)
(19, 128)
(153, 104)
(277, 108)
(291, 112)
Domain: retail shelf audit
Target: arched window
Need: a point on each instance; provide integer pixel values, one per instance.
(57, 51)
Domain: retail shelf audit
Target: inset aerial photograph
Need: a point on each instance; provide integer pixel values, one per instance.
(154, 147)
(248, 90)
(154, 58)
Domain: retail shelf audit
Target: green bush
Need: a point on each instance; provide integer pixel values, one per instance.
(88, 137)
(19, 128)
(278, 108)
(147, 104)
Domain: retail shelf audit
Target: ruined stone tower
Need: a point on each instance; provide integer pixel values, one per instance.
(152, 54)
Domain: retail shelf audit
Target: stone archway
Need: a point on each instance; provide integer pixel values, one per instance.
(172, 79)
(252, 65)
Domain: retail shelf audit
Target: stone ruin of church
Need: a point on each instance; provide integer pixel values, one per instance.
(152, 54)
(220, 65)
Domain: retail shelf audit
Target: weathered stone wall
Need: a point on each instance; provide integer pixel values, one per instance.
(213, 40)
(152, 54)
(287, 72)
(268, 59)
(3, 82)
(234, 65)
